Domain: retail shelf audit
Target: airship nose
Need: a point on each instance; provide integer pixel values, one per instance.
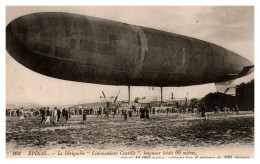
(239, 65)
(16, 37)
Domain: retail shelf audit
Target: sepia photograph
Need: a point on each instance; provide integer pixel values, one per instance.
(130, 82)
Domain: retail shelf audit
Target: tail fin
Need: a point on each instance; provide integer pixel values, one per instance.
(227, 87)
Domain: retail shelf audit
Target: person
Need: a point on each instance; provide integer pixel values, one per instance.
(63, 112)
(21, 114)
(147, 112)
(6, 112)
(225, 109)
(228, 109)
(236, 110)
(48, 114)
(99, 112)
(17, 112)
(137, 111)
(84, 115)
(203, 112)
(36, 113)
(186, 110)
(58, 114)
(122, 112)
(130, 112)
(106, 112)
(69, 113)
(134, 110)
(91, 111)
(95, 111)
(55, 117)
(125, 114)
(43, 114)
(216, 110)
(88, 111)
(66, 113)
(142, 111)
(153, 111)
(115, 111)
(232, 109)
(13, 112)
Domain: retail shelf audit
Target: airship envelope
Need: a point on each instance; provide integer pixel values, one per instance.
(93, 50)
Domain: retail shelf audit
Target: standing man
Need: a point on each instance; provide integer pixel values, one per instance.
(43, 114)
(87, 111)
(167, 110)
(55, 115)
(6, 112)
(106, 111)
(63, 112)
(236, 110)
(58, 114)
(21, 114)
(225, 109)
(122, 111)
(17, 112)
(142, 115)
(48, 114)
(153, 111)
(115, 111)
(84, 115)
(69, 112)
(66, 113)
(80, 111)
(203, 111)
(91, 111)
(125, 114)
(130, 112)
(99, 113)
(147, 112)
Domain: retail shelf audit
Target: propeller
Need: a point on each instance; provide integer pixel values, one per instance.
(104, 94)
(116, 97)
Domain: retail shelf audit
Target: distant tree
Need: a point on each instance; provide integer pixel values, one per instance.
(244, 98)
(245, 95)
(218, 99)
(194, 102)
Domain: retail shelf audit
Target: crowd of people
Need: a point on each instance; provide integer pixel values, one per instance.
(144, 112)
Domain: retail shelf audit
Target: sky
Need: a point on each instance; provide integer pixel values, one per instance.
(229, 27)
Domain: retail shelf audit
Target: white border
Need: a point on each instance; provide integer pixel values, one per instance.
(4, 3)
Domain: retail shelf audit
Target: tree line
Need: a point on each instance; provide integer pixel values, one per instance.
(244, 98)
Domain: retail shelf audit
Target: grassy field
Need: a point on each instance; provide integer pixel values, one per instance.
(174, 130)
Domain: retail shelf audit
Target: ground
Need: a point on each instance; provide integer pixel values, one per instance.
(162, 132)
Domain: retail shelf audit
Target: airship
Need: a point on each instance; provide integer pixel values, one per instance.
(93, 50)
